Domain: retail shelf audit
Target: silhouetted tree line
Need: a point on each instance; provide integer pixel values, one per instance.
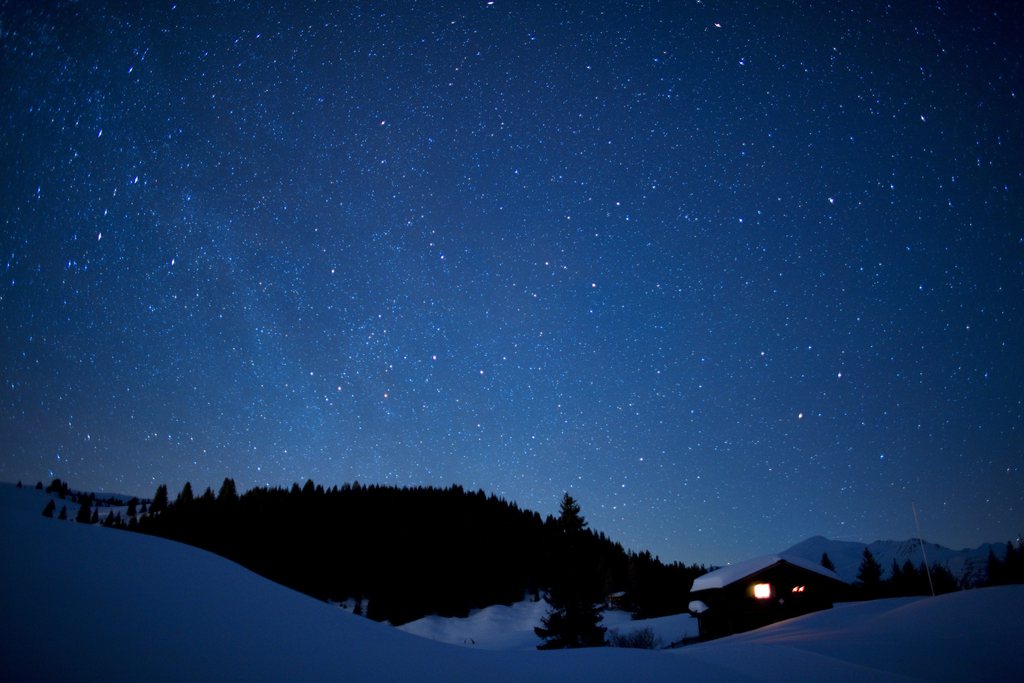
(411, 551)
(88, 504)
(903, 581)
(1009, 569)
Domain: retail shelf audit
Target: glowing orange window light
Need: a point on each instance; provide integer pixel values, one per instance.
(799, 589)
(762, 591)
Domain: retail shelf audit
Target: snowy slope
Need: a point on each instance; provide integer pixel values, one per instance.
(501, 627)
(84, 602)
(968, 563)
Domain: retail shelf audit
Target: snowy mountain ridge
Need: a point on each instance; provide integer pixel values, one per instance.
(968, 564)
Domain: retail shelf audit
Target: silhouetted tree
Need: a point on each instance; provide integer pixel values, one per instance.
(185, 497)
(574, 618)
(50, 507)
(826, 562)
(58, 487)
(63, 512)
(1015, 563)
(1009, 569)
(131, 506)
(993, 569)
(228, 494)
(869, 575)
(570, 521)
(160, 500)
(942, 579)
(39, 486)
(84, 512)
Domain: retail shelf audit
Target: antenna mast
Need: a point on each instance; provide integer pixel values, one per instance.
(927, 569)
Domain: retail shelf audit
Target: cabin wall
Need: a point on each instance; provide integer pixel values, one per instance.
(794, 591)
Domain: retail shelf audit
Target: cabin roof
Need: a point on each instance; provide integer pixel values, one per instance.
(732, 573)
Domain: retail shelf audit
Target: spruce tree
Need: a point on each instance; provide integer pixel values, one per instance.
(869, 575)
(228, 493)
(185, 497)
(826, 562)
(84, 512)
(574, 619)
(63, 512)
(50, 507)
(897, 580)
(159, 503)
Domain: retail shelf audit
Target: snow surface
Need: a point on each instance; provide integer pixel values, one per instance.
(734, 572)
(501, 627)
(80, 602)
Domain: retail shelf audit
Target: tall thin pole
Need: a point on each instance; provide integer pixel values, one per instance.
(920, 540)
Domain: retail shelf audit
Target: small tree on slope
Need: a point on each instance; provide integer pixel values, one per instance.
(826, 562)
(869, 575)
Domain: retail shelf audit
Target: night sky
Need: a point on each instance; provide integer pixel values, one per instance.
(732, 275)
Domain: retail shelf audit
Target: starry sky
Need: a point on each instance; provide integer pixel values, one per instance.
(731, 273)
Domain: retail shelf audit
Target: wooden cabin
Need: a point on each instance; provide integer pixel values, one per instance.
(747, 595)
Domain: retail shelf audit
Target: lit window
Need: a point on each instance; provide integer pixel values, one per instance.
(798, 589)
(762, 591)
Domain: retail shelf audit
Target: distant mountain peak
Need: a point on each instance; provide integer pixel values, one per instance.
(968, 564)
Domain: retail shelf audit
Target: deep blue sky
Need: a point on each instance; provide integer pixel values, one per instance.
(733, 275)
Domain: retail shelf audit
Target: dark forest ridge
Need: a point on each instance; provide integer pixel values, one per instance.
(404, 552)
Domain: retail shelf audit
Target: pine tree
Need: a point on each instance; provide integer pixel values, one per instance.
(63, 512)
(160, 500)
(185, 497)
(869, 575)
(228, 493)
(574, 619)
(826, 562)
(131, 506)
(570, 521)
(942, 579)
(84, 513)
(50, 507)
(1015, 563)
(897, 581)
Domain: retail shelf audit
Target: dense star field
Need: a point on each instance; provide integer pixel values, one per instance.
(731, 274)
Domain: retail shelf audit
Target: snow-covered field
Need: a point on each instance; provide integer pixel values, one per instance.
(82, 602)
(501, 627)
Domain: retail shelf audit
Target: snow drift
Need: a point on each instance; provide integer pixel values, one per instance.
(86, 602)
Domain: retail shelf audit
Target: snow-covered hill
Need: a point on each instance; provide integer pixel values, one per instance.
(968, 564)
(85, 602)
(501, 627)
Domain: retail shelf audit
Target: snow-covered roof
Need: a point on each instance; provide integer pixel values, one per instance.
(734, 572)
